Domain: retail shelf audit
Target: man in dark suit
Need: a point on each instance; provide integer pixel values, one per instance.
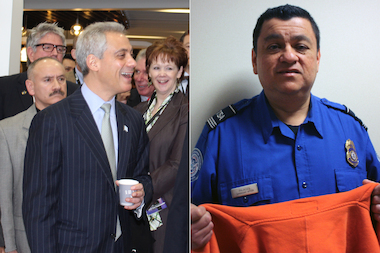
(70, 203)
(44, 40)
(78, 75)
(185, 82)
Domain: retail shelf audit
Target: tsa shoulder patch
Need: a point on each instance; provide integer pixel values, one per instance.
(196, 164)
(226, 113)
(343, 109)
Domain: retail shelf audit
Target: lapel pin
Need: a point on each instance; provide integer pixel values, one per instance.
(125, 129)
(23, 92)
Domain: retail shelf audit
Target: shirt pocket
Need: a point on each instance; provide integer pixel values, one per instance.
(263, 196)
(350, 179)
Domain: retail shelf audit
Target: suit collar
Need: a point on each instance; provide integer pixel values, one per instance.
(168, 115)
(86, 126)
(29, 115)
(124, 138)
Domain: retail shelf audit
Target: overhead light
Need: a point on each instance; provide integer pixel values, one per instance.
(24, 28)
(145, 37)
(23, 31)
(174, 10)
(76, 28)
(23, 57)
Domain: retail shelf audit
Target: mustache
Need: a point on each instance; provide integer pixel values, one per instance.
(57, 92)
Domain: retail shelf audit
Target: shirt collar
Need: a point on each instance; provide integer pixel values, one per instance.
(270, 122)
(94, 101)
(315, 116)
(79, 74)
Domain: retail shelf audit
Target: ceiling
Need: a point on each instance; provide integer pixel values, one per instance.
(138, 22)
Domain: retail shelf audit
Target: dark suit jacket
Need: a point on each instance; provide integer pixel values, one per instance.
(166, 142)
(69, 202)
(134, 99)
(177, 229)
(14, 98)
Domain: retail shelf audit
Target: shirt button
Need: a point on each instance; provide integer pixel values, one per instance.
(299, 147)
(245, 199)
(304, 185)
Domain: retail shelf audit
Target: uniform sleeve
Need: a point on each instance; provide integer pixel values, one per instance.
(6, 193)
(203, 168)
(1, 236)
(42, 183)
(373, 163)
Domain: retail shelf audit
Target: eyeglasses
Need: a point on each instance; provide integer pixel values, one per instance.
(47, 47)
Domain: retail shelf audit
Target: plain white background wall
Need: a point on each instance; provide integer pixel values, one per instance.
(221, 43)
(10, 39)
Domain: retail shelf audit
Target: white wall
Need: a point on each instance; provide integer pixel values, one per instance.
(10, 39)
(221, 43)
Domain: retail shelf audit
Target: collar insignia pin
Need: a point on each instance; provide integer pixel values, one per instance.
(351, 155)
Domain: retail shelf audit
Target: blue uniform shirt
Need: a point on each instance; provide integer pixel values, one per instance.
(254, 148)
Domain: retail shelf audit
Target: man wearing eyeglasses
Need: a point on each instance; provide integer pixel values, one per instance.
(44, 40)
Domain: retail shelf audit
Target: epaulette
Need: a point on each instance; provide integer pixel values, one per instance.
(226, 113)
(343, 109)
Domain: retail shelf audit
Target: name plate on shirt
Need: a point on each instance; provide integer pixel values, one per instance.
(244, 190)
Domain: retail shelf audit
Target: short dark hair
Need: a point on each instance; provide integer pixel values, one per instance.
(68, 56)
(169, 49)
(284, 12)
(184, 35)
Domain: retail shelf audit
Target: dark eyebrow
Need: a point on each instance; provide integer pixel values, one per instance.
(274, 36)
(302, 37)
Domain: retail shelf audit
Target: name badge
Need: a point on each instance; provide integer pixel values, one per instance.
(244, 190)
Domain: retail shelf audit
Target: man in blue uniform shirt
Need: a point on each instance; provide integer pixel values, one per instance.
(285, 143)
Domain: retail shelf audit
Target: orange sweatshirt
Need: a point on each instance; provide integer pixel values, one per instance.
(333, 223)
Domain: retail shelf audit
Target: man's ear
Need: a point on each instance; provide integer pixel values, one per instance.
(318, 58)
(30, 54)
(30, 87)
(73, 53)
(92, 62)
(254, 61)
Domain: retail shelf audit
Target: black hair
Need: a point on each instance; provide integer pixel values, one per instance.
(284, 12)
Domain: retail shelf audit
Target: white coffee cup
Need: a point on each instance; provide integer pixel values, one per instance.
(125, 190)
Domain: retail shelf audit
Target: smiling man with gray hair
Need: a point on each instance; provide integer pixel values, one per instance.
(79, 148)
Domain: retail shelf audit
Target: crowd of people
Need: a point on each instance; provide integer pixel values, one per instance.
(62, 157)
